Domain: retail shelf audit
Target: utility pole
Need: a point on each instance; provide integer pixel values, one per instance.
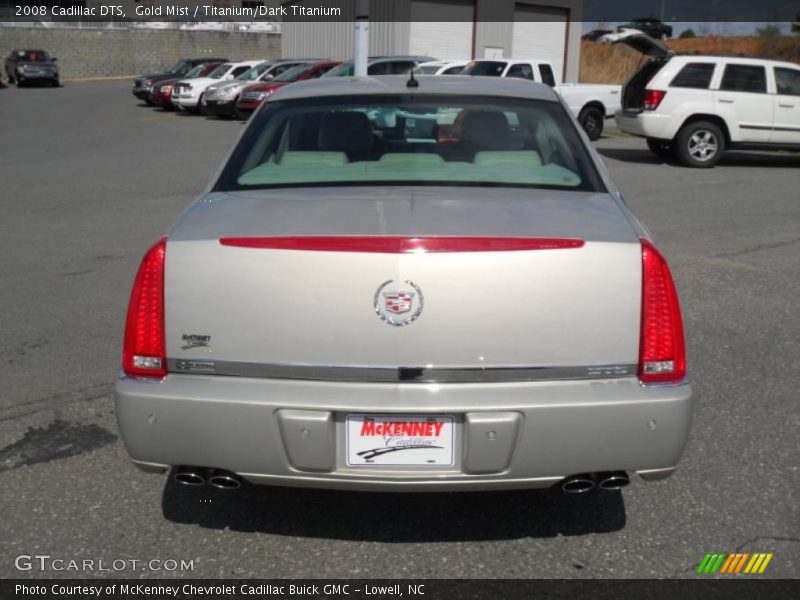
(362, 38)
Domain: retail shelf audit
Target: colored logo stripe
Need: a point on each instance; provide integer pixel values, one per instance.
(735, 563)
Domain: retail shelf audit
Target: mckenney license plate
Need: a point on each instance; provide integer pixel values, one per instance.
(404, 440)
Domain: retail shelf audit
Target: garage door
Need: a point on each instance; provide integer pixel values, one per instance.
(445, 40)
(540, 33)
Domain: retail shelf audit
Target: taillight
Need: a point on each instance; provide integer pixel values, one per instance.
(144, 352)
(662, 353)
(652, 98)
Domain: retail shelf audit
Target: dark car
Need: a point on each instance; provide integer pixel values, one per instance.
(161, 91)
(595, 34)
(141, 85)
(652, 27)
(29, 66)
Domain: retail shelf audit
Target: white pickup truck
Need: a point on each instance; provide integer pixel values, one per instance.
(590, 103)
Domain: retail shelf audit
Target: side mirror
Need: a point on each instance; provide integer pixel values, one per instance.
(268, 77)
(228, 77)
(53, 59)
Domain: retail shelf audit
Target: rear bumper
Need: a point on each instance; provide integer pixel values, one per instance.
(647, 124)
(282, 432)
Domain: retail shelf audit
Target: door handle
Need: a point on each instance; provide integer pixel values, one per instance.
(783, 105)
(726, 101)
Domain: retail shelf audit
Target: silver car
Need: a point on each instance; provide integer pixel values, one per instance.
(407, 285)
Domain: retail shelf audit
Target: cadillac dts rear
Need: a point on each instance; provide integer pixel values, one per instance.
(404, 289)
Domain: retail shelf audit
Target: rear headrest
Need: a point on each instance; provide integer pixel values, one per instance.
(486, 130)
(345, 132)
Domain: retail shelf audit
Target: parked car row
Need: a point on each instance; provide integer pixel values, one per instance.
(218, 87)
(690, 107)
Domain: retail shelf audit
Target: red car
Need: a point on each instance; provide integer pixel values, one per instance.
(161, 91)
(254, 94)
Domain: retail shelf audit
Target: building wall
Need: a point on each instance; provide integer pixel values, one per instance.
(390, 31)
(498, 33)
(108, 52)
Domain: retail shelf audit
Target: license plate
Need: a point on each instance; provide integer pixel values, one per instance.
(400, 440)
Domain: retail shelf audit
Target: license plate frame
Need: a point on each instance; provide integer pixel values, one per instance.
(400, 440)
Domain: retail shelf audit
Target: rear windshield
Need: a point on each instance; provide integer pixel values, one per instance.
(411, 140)
(489, 67)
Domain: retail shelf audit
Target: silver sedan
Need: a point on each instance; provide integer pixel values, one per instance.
(407, 285)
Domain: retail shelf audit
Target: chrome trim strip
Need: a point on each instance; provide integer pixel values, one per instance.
(397, 374)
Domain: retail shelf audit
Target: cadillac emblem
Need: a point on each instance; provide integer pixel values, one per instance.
(398, 303)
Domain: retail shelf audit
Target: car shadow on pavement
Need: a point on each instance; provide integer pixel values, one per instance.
(733, 158)
(393, 517)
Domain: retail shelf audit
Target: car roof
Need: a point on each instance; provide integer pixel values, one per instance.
(745, 60)
(428, 84)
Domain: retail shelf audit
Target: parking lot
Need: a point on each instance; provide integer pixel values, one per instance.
(90, 178)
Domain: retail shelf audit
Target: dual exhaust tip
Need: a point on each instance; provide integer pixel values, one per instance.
(607, 480)
(199, 476)
(225, 480)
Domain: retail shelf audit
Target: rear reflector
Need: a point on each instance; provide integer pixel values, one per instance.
(402, 244)
(652, 98)
(662, 353)
(144, 353)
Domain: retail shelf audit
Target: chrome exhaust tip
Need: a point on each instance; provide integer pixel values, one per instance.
(192, 476)
(615, 480)
(578, 484)
(224, 480)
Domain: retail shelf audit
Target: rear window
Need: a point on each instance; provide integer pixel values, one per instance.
(489, 68)
(787, 81)
(520, 71)
(547, 75)
(411, 140)
(744, 78)
(694, 75)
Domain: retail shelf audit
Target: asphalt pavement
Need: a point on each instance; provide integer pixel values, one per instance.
(89, 178)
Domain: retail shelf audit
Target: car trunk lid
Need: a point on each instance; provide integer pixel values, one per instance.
(639, 41)
(232, 306)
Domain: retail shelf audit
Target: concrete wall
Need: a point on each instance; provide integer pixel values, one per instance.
(105, 53)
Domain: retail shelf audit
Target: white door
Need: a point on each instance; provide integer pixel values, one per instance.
(787, 106)
(444, 40)
(742, 100)
(540, 33)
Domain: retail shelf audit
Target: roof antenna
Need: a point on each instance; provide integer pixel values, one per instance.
(412, 83)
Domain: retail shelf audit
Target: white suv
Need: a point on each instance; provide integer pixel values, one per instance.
(695, 107)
